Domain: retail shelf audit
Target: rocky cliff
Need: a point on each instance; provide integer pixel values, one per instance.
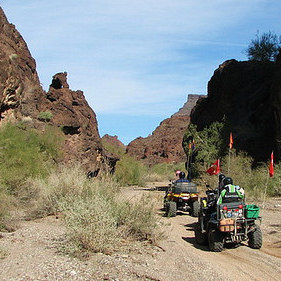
(22, 98)
(248, 95)
(114, 142)
(165, 143)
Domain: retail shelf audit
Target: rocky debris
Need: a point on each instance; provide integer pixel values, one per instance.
(22, 98)
(165, 143)
(247, 94)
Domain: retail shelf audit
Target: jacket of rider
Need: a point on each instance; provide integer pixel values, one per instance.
(230, 190)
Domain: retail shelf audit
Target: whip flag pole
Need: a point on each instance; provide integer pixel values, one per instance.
(270, 175)
(230, 147)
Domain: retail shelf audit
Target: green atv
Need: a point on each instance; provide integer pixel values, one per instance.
(228, 223)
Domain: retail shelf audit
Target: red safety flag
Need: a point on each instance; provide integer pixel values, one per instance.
(214, 169)
(271, 167)
(230, 141)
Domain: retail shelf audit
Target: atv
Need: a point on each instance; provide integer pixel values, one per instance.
(227, 223)
(181, 196)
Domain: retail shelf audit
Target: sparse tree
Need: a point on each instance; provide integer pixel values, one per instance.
(264, 47)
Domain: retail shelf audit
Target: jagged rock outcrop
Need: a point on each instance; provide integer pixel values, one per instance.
(19, 84)
(248, 94)
(165, 143)
(188, 106)
(22, 97)
(114, 142)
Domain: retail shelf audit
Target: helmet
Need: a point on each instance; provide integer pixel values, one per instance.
(221, 177)
(182, 175)
(227, 181)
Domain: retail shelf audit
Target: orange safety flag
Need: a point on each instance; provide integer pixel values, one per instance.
(271, 167)
(214, 169)
(230, 141)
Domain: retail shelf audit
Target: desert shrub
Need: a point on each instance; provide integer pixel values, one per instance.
(13, 56)
(91, 224)
(97, 223)
(252, 178)
(163, 171)
(44, 194)
(25, 153)
(137, 220)
(96, 218)
(129, 171)
(264, 47)
(5, 202)
(45, 116)
(119, 151)
(204, 147)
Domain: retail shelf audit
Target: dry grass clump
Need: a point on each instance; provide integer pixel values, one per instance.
(91, 224)
(162, 172)
(253, 178)
(96, 219)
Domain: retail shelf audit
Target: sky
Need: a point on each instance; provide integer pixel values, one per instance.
(137, 60)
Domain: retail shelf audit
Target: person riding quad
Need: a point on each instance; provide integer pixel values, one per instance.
(230, 192)
(221, 184)
(182, 178)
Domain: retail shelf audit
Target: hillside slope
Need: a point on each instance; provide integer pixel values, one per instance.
(23, 99)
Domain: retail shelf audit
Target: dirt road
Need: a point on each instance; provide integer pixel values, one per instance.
(32, 254)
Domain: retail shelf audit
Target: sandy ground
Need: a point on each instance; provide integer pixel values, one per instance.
(32, 253)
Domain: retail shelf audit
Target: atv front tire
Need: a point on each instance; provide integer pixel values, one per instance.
(195, 209)
(215, 240)
(255, 238)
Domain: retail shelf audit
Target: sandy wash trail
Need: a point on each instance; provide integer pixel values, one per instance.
(32, 253)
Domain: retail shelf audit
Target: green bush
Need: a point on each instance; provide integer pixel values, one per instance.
(45, 116)
(264, 48)
(129, 171)
(163, 171)
(25, 153)
(114, 149)
(252, 179)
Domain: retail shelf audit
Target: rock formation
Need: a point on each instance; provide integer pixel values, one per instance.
(22, 97)
(114, 142)
(248, 95)
(165, 143)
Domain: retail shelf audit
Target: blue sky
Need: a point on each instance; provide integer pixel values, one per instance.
(137, 60)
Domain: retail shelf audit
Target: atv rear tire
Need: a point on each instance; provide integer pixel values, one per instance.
(215, 240)
(172, 209)
(255, 238)
(200, 238)
(195, 209)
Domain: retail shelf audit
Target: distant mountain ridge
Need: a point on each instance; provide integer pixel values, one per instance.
(165, 143)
